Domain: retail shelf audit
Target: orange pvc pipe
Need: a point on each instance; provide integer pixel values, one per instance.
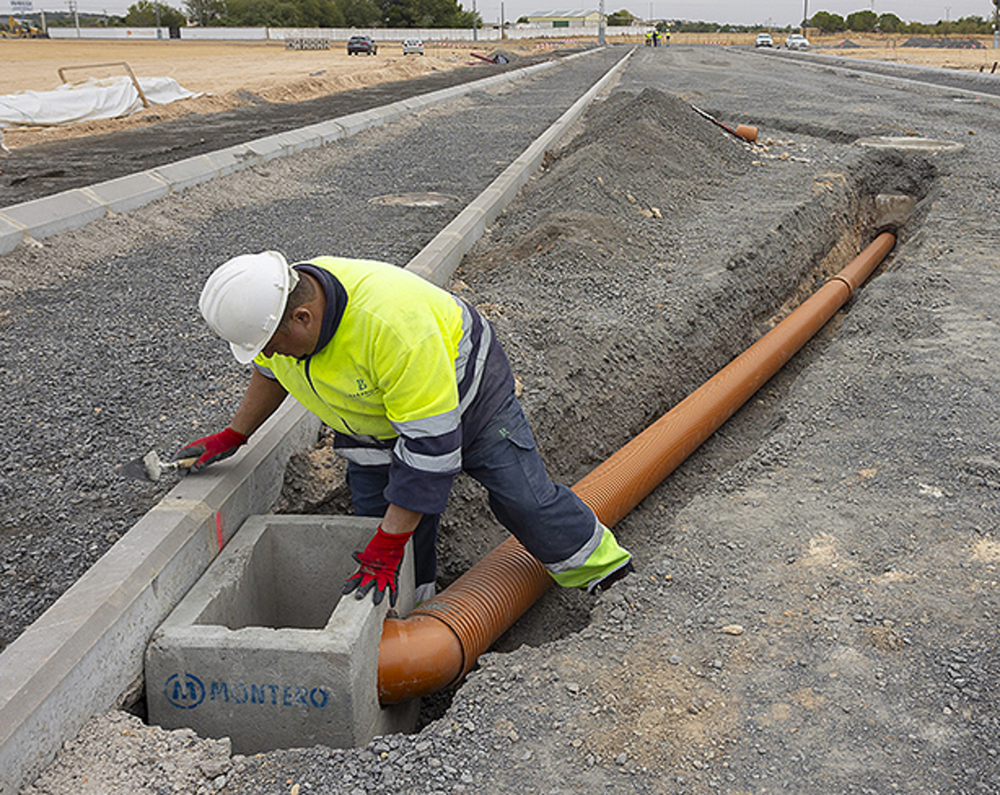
(439, 642)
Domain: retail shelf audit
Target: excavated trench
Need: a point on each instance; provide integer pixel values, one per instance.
(643, 259)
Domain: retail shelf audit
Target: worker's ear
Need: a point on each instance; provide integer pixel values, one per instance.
(302, 315)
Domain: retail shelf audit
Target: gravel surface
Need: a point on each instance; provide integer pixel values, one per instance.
(815, 602)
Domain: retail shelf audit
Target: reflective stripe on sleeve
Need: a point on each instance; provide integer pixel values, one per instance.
(366, 456)
(485, 341)
(265, 371)
(439, 464)
(427, 427)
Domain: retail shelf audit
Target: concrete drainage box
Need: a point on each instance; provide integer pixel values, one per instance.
(264, 650)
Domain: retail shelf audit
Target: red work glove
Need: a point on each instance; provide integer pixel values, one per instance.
(210, 449)
(379, 567)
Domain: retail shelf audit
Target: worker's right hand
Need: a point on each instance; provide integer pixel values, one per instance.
(379, 567)
(212, 448)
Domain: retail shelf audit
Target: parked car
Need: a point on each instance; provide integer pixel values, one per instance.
(361, 45)
(797, 42)
(413, 46)
(763, 40)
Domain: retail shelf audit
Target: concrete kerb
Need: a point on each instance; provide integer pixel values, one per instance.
(54, 214)
(233, 158)
(328, 131)
(436, 261)
(84, 655)
(186, 173)
(302, 139)
(11, 234)
(128, 193)
(72, 209)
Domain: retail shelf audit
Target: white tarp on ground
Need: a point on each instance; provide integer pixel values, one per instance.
(106, 98)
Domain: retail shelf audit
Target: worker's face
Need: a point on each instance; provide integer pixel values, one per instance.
(296, 338)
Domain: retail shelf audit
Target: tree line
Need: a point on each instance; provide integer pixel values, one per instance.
(302, 14)
(869, 22)
(859, 22)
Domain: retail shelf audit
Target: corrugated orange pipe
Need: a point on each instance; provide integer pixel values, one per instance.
(439, 642)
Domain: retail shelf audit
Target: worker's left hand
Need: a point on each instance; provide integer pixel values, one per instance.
(379, 569)
(211, 448)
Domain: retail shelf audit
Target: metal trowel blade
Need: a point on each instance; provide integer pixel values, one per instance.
(135, 470)
(150, 467)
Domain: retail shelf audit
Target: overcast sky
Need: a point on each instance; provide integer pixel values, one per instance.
(775, 12)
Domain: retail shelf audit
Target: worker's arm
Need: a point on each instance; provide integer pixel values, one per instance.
(260, 401)
(399, 520)
(262, 398)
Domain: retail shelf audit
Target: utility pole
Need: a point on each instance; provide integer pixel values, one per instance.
(76, 15)
(805, 16)
(475, 25)
(600, 26)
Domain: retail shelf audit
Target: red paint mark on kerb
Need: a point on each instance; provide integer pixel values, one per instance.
(218, 529)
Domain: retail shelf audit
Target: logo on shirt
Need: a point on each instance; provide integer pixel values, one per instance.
(363, 389)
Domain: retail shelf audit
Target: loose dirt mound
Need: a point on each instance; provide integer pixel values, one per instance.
(650, 138)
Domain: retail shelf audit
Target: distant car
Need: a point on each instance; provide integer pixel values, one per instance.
(361, 45)
(763, 40)
(797, 42)
(413, 46)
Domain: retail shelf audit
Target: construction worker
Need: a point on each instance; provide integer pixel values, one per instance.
(416, 388)
(649, 38)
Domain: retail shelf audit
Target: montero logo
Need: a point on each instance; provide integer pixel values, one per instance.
(184, 691)
(187, 691)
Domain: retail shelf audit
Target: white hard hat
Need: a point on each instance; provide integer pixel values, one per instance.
(244, 299)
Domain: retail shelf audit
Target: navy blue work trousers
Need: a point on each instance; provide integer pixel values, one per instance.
(549, 520)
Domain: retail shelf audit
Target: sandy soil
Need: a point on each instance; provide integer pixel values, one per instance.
(970, 59)
(229, 74)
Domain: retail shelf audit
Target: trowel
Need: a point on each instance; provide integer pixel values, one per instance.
(152, 467)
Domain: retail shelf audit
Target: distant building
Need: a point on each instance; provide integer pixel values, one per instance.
(564, 19)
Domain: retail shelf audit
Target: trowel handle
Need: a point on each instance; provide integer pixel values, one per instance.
(184, 463)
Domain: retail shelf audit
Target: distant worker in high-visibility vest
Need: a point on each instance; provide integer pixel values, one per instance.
(416, 388)
(666, 35)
